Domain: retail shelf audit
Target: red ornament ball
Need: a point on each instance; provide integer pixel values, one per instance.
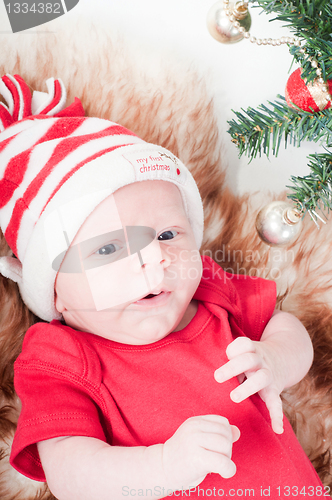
(307, 96)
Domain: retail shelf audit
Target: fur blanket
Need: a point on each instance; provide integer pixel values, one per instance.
(174, 109)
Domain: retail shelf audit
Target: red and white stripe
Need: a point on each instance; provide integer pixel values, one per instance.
(55, 99)
(66, 158)
(38, 155)
(20, 103)
(18, 98)
(44, 167)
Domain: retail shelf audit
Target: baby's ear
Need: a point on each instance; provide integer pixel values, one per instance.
(11, 268)
(58, 303)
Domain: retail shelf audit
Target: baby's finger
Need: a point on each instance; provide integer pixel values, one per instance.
(248, 361)
(215, 424)
(255, 383)
(274, 405)
(218, 463)
(239, 346)
(212, 418)
(216, 443)
(235, 433)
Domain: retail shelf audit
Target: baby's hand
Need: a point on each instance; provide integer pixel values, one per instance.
(256, 362)
(200, 445)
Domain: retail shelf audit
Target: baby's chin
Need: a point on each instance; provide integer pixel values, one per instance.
(129, 330)
(129, 338)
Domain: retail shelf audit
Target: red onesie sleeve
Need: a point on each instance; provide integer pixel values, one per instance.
(249, 300)
(58, 380)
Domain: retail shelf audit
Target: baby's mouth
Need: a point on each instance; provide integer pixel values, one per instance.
(154, 299)
(151, 295)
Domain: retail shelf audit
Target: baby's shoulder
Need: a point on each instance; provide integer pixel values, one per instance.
(53, 346)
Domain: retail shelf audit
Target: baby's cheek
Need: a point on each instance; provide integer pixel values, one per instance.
(192, 267)
(73, 292)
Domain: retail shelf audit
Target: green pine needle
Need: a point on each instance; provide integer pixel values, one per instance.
(261, 130)
(313, 192)
(265, 129)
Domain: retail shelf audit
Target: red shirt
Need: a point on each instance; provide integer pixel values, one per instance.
(76, 383)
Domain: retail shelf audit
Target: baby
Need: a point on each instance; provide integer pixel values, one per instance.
(154, 373)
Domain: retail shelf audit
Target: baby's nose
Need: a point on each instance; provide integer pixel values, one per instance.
(152, 255)
(164, 262)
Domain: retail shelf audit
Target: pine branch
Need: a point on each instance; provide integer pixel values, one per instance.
(311, 22)
(313, 192)
(321, 51)
(263, 129)
(306, 18)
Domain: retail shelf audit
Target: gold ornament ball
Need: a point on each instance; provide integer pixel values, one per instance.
(278, 223)
(220, 26)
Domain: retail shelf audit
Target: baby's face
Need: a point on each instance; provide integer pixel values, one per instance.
(137, 242)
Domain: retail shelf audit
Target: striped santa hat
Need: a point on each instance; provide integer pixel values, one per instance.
(56, 166)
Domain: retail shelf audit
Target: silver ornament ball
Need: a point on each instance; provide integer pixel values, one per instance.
(220, 26)
(278, 223)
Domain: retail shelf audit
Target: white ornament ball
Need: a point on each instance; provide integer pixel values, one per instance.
(278, 223)
(221, 27)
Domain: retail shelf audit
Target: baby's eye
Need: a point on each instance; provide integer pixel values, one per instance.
(167, 235)
(108, 249)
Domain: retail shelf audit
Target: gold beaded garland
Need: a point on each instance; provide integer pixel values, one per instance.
(246, 34)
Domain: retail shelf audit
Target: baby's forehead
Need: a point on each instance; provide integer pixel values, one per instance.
(139, 202)
(153, 190)
(105, 217)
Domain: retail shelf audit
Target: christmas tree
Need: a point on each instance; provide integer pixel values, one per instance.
(297, 117)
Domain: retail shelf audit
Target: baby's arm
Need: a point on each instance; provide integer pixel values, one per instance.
(84, 468)
(279, 360)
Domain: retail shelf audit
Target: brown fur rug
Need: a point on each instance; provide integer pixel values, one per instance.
(174, 109)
